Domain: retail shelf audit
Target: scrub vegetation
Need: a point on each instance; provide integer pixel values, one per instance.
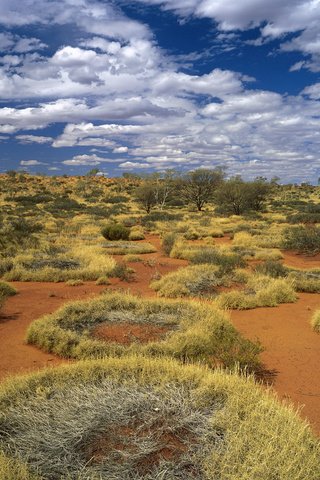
(150, 394)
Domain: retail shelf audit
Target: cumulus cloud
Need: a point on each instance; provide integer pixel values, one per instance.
(30, 163)
(93, 159)
(34, 139)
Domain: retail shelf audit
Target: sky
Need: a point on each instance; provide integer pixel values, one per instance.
(149, 85)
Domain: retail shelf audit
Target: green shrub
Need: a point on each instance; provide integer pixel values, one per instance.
(272, 269)
(303, 239)
(136, 233)
(115, 231)
(7, 290)
(168, 243)
(124, 273)
(305, 281)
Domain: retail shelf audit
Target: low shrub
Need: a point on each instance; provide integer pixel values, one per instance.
(145, 419)
(272, 269)
(136, 233)
(305, 281)
(168, 242)
(303, 239)
(194, 281)
(7, 290)
(123, 272)
(115, 231)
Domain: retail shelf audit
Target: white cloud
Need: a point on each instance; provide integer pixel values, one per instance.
(93, 159)
(133, 165)
(120, 150)
(30, 163)
(34, 139)
(92, 16)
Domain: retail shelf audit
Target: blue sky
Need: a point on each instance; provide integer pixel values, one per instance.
(148, 85)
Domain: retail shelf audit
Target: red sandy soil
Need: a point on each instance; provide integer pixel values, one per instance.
(33, 300)
(292, 348)
(127, 333)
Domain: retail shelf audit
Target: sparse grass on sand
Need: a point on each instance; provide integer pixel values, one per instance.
(261, 291)
(195, 331)
(140, 419)
(195, 280)
(82, 262)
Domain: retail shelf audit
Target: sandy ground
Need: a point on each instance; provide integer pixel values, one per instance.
(292, 349)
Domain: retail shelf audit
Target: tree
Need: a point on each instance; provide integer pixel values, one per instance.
(232, 195)
(93, 172)
(239, 196)
(145, 196)
(198, 187)
(257, 192)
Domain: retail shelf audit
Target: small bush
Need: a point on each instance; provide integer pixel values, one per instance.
(7, 290)
(136, 233)
(303, 239)
(124, 273)
(168, 243)
(272, 269)
(115, 231)
(304, 281)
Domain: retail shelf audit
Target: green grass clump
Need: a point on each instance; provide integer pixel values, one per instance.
(194, 331)
(226, 259)
(194, 281)
(114, 418)
(7, 290)
(168, 242)
(136, 233)
(305, 281)
(115, 231)
(303, 239)
(272, 268)
(261, 291)
(315, 321)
